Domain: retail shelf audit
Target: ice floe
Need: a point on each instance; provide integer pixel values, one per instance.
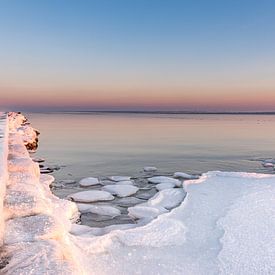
(91, 196)
(120, 190)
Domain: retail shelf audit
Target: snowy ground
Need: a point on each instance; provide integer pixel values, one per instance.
(225, 225)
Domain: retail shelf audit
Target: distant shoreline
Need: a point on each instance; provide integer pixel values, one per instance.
(153, 112)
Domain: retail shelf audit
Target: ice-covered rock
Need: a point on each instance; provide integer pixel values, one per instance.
(165, 185)
(150, 169)
(90, 181)
(164, 179)
(120, 190)
(91, 196)
(119, 178)
(185, 175)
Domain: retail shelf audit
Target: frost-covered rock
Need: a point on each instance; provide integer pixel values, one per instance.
(91, 196)
(119, 178)
(90, 181)
(120, 190)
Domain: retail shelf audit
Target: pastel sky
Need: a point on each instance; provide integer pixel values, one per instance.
(210, 55)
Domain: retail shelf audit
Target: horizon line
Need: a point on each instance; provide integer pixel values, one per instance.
(157, 112)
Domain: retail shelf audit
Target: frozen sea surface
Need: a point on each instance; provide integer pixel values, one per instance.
(224, 226)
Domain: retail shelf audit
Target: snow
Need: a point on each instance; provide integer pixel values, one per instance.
(119, 178)
(224, 226)
(90, 181)
(91, 196)
(120, 190)
(164, 179)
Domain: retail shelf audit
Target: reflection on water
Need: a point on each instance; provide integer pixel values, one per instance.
(108, 144)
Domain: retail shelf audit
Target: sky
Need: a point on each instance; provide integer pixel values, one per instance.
(188, 55)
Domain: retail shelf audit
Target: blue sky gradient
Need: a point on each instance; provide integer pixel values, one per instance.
(210, 55)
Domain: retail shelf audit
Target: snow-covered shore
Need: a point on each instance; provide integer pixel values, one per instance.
(225, 225)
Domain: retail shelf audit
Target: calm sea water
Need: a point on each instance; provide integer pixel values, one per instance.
(104, 144)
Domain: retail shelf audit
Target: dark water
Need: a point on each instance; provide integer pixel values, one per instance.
(122, 144)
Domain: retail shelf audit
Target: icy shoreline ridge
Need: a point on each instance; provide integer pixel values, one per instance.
(225, 225)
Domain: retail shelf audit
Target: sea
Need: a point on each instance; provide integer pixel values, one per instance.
(104, 144)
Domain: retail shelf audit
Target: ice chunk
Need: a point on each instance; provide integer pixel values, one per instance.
(120, 190)
(91, 196)
(89, 181)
